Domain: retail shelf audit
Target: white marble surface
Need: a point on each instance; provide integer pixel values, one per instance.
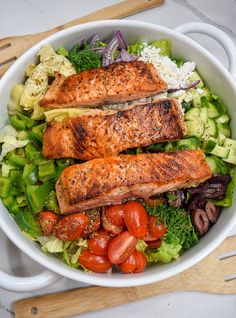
(28, 16)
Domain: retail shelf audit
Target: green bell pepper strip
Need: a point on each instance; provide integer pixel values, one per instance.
(30, 174)
(17, 123)
(37, 131)
(15, 160)
(21, 201)
(5, 184)
(29, 122)
(27, 223)
(47, 171)
(11, 204)
(37, 195)
(15, 177)
(52, 203)
(33, 155)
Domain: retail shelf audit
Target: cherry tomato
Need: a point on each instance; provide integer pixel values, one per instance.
(154, 244)
(121, 247)
(115, 214)
(47, 220)
(70, 227)
(94, 222)
(95, 263)
(98, 243)
(109, 226)
(155, 228)
(136, 263)
(149, 238)
(136, 219)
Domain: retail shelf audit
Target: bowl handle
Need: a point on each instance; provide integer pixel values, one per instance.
(27, 284)
(221, 37)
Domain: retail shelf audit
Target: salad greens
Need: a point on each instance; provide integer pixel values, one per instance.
(27, 180)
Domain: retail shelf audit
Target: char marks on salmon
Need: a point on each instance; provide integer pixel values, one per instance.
(98, 133)
(115, 179)
(116, 83)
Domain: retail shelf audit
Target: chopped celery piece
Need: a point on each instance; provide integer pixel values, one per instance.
(37, 195)
(33, 154)
(27, 223)
(164, 45)
(21, 201)
(52, 203)
(47, 171)
(5, 184)
(17, 123)
(15, 176)
(11, 204)
(30, 174)
(15, 160)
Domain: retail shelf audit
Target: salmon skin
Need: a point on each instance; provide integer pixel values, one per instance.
(98, 133)
(115, 179)
(116, 83)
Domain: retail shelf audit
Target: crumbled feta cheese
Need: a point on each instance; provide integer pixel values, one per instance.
(199, 91)
(174, 76)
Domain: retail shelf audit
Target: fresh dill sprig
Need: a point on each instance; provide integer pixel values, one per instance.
(84, 58)
(178, 223)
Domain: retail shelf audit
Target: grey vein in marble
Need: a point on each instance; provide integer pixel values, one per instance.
(204, 18)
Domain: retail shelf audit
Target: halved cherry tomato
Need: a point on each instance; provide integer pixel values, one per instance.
(94, 222)
(70, 227)
(155, 228)
(47, 220)
(109, 226)
(121, 247)
(98, 243)
(95, 263)
(136, 263)
(115, 214)
(154, 244)
(136, 219)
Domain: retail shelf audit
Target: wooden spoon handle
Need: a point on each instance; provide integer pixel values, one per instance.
(116, 11)
(207, 276)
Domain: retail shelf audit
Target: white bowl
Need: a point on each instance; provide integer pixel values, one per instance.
(216, 77)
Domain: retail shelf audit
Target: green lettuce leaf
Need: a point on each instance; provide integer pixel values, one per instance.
(165, 253)
(228, 200)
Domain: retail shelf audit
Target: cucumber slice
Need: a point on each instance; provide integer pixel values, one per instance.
(210, 129)
(212, 111)
(216, 164)
(224, 129)
(196, 99)
(196, 77)
(209, 144)
(203, 114)
(195, 127)
(188, 143)
(223, 119)
(220, 151)
(229, 143)
(221, 139)
(192, 114)
(212, 163)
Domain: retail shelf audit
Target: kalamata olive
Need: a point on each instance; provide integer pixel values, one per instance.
(176, 198)
(212, 212)
(196, 202)
(200, 221)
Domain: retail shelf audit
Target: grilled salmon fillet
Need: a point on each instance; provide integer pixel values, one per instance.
(115, 179)
(116, 83)
(104, 133)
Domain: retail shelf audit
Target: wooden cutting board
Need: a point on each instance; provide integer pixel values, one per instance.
(207, 276)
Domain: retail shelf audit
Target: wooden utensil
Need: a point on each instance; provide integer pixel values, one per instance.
(12, 47)
(207, 276)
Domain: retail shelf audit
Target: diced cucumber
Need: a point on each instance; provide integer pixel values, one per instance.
(196, 99)
(210, 129)
(223, 119)
(216, 164)
(209, 144)
(203, 114)
(224, 129)
(192, 114)
(231, 157)
(195, 127)
(220, 151)
(221, 139)
(196, 77)
(230, 143)
(212, 111)
(188, 143)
